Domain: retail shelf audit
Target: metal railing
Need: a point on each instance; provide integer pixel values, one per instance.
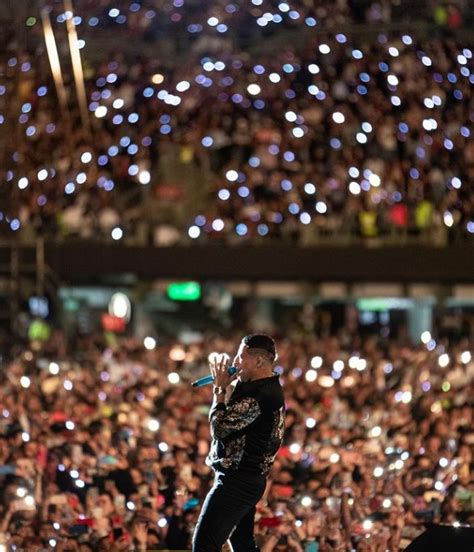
(21, 263)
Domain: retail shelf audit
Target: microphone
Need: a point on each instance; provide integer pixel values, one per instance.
(206, 380)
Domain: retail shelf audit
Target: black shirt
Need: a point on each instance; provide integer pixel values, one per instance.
(248, 431)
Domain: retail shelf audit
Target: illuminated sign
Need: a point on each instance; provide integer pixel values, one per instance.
(184, 291)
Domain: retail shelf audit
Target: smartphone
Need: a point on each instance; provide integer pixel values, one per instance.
(52, 508)
(269, 522)
(191, 503)
(108, 460)
(425, 515)
(78, 529)
(117, 532)
(150, 476)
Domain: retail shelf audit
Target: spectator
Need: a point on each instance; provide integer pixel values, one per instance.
(106, 446)
(323, 140)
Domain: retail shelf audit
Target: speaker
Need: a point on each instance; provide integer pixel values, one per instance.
(444, 538)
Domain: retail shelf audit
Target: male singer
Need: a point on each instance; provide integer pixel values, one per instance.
(247, 431)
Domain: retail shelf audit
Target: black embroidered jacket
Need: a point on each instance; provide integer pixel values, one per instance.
(248, 431)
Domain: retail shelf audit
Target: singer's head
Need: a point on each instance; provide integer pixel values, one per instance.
(255, 357)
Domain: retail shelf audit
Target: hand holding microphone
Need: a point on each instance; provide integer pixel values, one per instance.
(221, 373)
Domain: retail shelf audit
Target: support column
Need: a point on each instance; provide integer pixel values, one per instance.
(420, 318)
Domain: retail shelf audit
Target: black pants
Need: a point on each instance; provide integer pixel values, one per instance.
(230, 503)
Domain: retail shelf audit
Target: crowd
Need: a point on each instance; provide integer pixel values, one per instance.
(154, 20)
(335, 137)
(103, 442)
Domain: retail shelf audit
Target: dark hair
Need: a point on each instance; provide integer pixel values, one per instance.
(262, 342)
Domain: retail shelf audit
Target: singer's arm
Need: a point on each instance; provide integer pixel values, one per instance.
(225, 420)
(220, 396)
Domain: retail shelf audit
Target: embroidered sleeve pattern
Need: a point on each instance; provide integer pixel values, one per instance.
(276, 438)
(236, 417)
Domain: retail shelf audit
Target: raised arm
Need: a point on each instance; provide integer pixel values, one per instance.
(226, 420)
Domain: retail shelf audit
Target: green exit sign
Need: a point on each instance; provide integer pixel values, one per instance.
(383, 304)
(184, 291)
